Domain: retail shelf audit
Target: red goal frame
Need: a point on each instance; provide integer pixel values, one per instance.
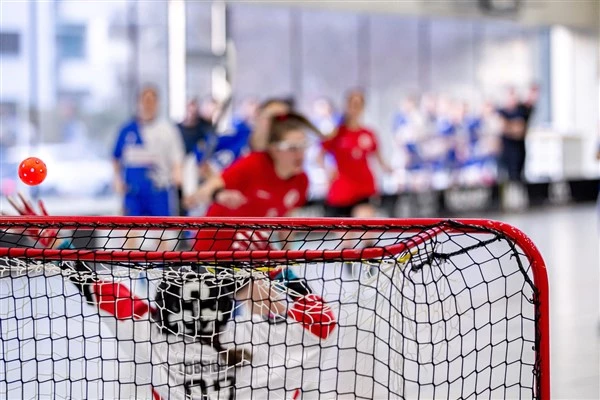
(538, 266)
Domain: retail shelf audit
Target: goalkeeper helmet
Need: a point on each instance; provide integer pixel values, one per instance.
(195, 301)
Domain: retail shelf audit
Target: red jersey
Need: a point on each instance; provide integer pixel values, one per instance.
(351, 150)
(267, 195)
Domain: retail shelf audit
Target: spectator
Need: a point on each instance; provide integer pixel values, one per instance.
(209, 109)
(467, 133)
(527, 107)
(195, 130)
(489, 145)
(148, 156)
(409, 133)
(447, 131)
(434, 112)
(198, 135)
(515, 117)
(429, 108)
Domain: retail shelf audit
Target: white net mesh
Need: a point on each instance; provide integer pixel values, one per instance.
(454, 317)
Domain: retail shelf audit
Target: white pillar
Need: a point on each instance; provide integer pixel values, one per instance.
(177, 59)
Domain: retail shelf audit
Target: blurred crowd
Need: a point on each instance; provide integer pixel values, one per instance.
(443, 142)
(432, 142)
(436, 142)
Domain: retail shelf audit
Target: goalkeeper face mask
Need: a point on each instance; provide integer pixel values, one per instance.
(194, 304)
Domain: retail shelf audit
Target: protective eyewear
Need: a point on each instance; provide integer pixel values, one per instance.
(290, 146)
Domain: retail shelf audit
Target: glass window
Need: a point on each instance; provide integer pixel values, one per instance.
(262, 36)
(70, 102)
(394, 58)
(200, 60)
(329, 45)
(10, 43)
(71, 41)
(198, 16)
(452, 58)
(151, 47)
(394, 68)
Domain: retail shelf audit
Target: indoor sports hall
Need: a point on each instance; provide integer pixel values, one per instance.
(299, 200)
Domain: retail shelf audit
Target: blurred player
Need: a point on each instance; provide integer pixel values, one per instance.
(516, 116)
(270, 183)
(353, 186)
(259, 139)
(148, 157)
(198, 136)
(267, 183)
(195, 130)
(245, 136)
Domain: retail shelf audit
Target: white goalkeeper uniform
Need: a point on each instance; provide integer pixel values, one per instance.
(185, 345)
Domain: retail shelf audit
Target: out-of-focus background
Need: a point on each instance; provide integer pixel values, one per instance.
(71, 70)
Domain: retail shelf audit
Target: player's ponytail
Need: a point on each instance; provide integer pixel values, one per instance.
(281, 124)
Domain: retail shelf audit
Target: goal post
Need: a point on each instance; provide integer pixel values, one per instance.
(182, 308)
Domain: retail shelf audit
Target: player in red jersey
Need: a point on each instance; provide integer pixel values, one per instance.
(267, 183)
(353, 185)
(352, 145)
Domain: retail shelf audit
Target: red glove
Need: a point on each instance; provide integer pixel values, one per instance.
(45, 237)
(314, 315)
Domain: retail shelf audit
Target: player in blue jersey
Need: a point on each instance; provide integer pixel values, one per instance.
(230, 147)
(227, 149)
(148, 157)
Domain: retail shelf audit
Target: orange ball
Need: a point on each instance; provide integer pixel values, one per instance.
(32, 171)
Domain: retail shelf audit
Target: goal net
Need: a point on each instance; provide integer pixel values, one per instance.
(270, 308)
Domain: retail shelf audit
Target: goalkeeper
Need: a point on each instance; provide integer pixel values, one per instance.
(184, 343)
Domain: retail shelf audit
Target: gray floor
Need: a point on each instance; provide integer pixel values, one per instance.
(568, 238)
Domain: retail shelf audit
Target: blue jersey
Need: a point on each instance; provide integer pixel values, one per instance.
(227, 148)
(400, 121)
(129, 151)
(148, 154)
(447, 130)
(473, 126)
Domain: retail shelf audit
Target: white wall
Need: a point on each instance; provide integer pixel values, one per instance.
(574, 70)
(14, 17)
(96, 72)
(32, 63)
